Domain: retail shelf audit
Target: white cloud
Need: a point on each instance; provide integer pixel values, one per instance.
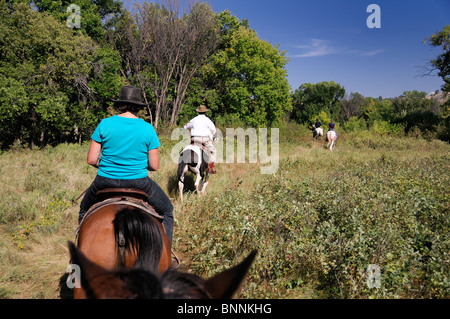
(371, 53)
(319, 47)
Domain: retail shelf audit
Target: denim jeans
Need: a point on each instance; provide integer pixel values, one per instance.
(157, 198)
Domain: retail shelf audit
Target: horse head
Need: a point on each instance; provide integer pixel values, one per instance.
(101, 283)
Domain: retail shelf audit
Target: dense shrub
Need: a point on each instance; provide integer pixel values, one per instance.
(326, 231)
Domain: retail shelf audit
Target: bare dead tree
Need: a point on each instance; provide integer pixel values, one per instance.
(165, 45)
(351, 105)
(200, 39)
(132, 44)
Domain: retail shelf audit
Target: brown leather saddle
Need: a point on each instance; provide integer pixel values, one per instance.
(123, 193)
(121, 196)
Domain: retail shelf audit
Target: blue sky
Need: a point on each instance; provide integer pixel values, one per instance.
(328, 40)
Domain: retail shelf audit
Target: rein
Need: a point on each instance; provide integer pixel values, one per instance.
(82, 194)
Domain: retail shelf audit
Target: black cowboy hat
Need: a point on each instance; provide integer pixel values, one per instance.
(131, 95)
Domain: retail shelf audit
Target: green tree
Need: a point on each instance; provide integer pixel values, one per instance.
(96, 15)
(441, 64)
(46, 92)
(355, 124)
(247, 79)
(411, 101)
(376, 110)
(310, 99)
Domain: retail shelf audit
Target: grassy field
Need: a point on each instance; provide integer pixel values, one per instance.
(318, 223)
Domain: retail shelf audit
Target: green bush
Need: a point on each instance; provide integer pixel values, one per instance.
(327, 231)
(386, 128)
(355, 125)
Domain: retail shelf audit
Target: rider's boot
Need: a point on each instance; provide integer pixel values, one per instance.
(212, 168)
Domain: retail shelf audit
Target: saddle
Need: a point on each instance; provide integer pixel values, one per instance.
(202, 146)
(121, 196)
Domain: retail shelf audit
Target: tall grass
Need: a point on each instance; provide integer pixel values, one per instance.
(317, 223)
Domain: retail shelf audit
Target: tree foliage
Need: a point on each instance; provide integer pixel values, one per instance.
(442, 64)
(164, 48)
(310, 99)
(247, 79)
(56, 82)
(94, 13)
(49, 88)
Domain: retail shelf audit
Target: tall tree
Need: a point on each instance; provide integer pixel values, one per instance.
(351, 106)
(94, 14)
(246, 78)
(441, 63)
(165, 45)
(46, 92)
(310, 99)
(200, 39)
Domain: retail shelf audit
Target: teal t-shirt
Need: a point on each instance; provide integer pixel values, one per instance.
(125, 145)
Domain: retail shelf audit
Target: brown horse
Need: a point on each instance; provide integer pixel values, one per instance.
(131, 283)
(124, 231)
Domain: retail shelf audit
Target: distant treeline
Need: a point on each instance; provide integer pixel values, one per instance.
(58, 75)
(413, 113)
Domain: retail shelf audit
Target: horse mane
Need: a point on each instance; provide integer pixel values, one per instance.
(179, 285)
(136, 231)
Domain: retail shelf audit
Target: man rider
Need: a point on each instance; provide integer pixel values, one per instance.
(203, 131)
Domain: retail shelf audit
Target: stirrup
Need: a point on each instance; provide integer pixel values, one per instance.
(175, 262)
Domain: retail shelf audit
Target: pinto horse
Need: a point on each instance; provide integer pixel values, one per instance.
(138, 283)
(319, 132)
(331, 138)
(123, 230)
(193, 158)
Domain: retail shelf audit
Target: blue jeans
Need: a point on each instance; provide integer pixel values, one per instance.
(157, 198)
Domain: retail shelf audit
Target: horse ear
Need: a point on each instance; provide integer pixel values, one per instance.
(88, 269)
(226, 283)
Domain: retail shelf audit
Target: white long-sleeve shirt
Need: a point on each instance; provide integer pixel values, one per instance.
(201, 125)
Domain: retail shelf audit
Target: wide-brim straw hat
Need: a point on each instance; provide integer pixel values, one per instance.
(130, 95)
(202, 109)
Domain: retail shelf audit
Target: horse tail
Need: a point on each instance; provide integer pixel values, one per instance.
(137, 232)
(205, 161)
(181, 167)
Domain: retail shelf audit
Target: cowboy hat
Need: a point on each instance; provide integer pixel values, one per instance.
(202, 109)
(131, 95)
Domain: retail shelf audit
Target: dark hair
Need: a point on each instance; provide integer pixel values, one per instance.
(124, 107)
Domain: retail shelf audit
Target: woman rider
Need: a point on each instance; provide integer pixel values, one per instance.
(123, 147)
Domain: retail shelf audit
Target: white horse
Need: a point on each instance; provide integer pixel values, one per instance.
(193, 158)
(331, 137)
(319, 133)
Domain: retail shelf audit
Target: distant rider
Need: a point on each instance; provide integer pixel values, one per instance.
(315, 126)
(203, 131)
(331, 128)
